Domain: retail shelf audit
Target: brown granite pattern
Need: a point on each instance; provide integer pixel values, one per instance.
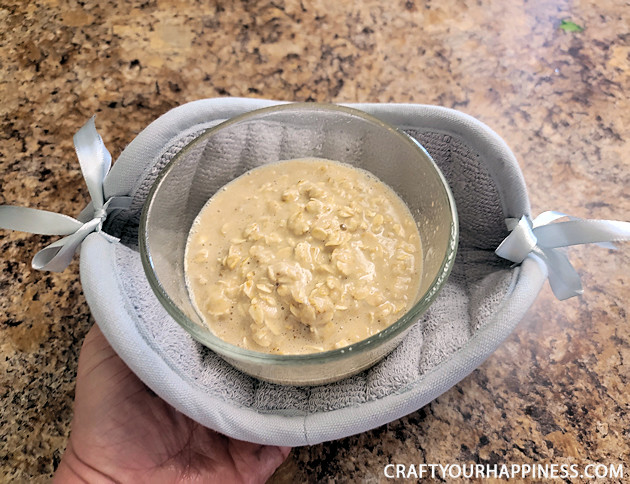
(557, 391)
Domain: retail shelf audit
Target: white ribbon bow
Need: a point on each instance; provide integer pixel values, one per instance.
(546, 240)
(95, 163)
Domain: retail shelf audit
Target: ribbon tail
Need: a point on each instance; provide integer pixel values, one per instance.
(563, 278)
(553, 215)
(576, 232)
(36, 221)
(94, 159)
(606, 245)
(548, 217)
(58, 255)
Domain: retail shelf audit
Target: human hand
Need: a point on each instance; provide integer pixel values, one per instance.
(123, 432)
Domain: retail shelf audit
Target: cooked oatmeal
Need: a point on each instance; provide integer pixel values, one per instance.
(303, 256)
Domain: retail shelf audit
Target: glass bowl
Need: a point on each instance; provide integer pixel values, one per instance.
(284, 132)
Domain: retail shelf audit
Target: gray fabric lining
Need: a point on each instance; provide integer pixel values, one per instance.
(481, 219)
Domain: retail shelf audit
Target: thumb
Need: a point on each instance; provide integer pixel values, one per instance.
(102, 377)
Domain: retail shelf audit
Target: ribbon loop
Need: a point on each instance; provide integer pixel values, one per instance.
(547, 240)
(519, 243)
(95, 163)
(94, 159)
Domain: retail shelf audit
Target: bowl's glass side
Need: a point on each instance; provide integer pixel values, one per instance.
(167, 217)
(281, 133)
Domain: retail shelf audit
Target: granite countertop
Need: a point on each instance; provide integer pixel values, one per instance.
(557, 390)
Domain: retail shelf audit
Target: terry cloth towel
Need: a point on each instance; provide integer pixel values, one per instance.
(481, 303)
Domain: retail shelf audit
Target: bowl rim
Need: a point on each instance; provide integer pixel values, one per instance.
(213, 342)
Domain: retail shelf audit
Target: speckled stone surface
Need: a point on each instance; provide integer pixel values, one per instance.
(557, 391)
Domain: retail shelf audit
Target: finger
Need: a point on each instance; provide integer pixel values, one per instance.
(103, 379)
(270, 458)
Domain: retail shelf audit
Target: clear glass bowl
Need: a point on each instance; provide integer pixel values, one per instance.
(284, 132)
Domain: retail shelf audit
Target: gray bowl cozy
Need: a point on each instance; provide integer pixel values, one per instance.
(482, 302)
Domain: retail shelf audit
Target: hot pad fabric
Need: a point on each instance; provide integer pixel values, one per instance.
(483, 300)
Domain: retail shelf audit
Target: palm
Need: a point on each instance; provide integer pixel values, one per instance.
(126, 432)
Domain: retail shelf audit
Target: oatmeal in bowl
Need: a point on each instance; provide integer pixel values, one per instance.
(315, 256)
